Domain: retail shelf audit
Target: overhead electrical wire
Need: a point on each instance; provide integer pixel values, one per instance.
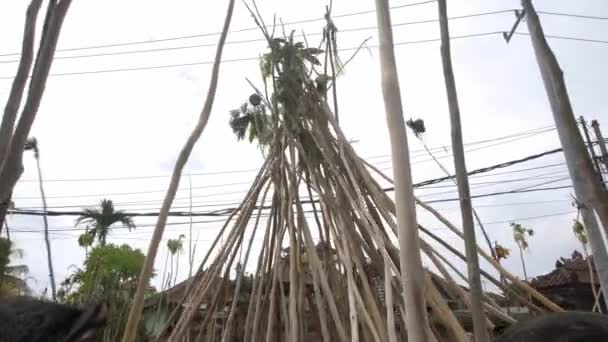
(428, 182)
(245, 41)
(255, 28)
(523, 134)
(245, 59)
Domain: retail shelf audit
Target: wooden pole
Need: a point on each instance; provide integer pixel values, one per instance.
(594, 158)
(586, 187)
(479, 320)
(600, 141)
(146, 273)
(412, 274)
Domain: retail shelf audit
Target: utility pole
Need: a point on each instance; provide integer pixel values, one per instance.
(592, 151)
(600, 141)
(586, 187)
(462, 181)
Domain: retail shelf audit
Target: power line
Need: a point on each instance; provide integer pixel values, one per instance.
(580, 16)
(164, 190)
(533, 217)
(523, 133)
(482, 147)
(477, 187)
(255, 28)
(568, 38)
(428, 182)
(502, 193)
(76, 229)
(255, 40)
(244, 59)
(206, 204)
(90, 47)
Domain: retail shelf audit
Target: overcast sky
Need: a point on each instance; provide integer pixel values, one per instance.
(133, 123)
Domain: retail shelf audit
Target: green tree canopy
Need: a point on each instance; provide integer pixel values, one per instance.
(11, 276)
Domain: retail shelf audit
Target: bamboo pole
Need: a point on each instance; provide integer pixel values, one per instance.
(443, 312)
(138, 300)
(466, 210)
(412, 276)
(538, 296)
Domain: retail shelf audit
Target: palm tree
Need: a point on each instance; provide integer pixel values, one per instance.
(102, 220)
(175, 247)
(11, 282)
(32, 145)
(521, 235)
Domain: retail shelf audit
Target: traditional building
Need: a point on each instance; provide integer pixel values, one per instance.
(570, 285)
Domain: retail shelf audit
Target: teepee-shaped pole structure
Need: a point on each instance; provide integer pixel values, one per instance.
(316, 230)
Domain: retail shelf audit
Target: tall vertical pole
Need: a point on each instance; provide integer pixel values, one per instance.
(596, 163)
(586, 187)
(412, 273)
(46, 225)
(190, 253)
(600, 141)
(479, 320)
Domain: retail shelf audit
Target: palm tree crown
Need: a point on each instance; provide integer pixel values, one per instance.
(101, 220)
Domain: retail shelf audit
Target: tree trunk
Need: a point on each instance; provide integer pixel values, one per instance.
(176, 268)
(468, 227)
(47, 241)
(412, 276)
(11, 158)
(523, 263)
(587, 188)
(138, 300)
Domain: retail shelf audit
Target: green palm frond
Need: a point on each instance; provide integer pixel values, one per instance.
(100, 220)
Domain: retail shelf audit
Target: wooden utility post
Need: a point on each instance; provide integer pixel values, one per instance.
(600, 141)
(594, 158)
(466, 209)
(586, 186)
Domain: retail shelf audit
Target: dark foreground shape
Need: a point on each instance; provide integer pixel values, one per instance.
(25, 319)
(559, 327)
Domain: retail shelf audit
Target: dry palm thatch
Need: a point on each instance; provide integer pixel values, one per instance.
(342, 266)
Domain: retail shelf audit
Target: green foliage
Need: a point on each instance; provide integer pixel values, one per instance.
(110, 274)
(11, 282)
(251, 120)
(521, 235)
(287, 69)
(102, 219)
(175, 245)
(86, 239)
(580, 232)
